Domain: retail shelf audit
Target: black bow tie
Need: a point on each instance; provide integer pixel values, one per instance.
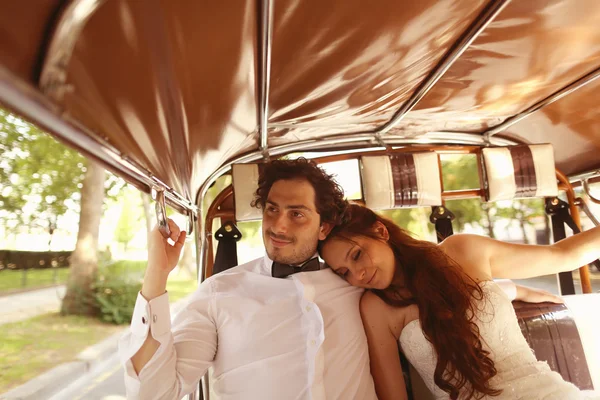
(283, 270)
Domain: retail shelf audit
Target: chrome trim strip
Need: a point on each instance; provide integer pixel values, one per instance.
(586, 209)
(473, 31)
(352, 140)
(586, 189)
(35, 107)
(584, 175)
(54, 71)
(266, 32)
(570, 88)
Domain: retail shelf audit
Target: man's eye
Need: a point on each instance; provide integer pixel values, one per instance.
(357, 255)
(297, 214)
(271, 209)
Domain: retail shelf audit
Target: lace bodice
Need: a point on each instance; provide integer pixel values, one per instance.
(520, 375)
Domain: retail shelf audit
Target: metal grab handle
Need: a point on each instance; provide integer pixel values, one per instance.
(586, 189)
(158, 195)
(584, 207)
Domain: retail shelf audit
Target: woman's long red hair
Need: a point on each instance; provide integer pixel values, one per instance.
(445, 296)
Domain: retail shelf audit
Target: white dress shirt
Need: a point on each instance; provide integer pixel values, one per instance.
(265, 338)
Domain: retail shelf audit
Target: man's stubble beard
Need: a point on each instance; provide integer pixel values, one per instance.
(299, 255)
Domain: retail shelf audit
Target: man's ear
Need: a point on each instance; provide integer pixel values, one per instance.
(381, 231)
(326, 227)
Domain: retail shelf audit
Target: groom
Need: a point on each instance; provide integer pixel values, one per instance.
(279, 327)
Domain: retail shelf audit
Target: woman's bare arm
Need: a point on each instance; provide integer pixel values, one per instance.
(482, 256)
(383, 348)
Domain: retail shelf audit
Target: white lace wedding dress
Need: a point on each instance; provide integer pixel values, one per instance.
(520, 374)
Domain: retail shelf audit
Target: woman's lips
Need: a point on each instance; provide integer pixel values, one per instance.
(373, 276)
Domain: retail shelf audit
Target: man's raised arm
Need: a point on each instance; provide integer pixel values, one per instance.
(149, 350)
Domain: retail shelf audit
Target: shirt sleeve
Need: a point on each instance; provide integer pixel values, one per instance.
(187, 346)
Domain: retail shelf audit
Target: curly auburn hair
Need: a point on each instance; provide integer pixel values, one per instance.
(329, 196)
(445, 297)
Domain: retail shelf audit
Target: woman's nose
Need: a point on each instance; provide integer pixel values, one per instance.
(360, 274)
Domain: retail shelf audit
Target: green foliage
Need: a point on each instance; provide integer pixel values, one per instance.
(413, 220)
(38, 172)
(117, 285)
(460, 172)
(525, 210)
(131, 215)
(116, 299)
(115, 290)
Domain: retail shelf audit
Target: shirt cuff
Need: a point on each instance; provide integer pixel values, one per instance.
(153, 316)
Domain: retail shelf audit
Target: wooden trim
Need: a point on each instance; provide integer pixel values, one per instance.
(215, 211)
(441, 177)
(462, 194)
(584, 272)
(440, 149)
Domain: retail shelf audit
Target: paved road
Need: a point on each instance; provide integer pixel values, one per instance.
(102, 383)
(20, 306)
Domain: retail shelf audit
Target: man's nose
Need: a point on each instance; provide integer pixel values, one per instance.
(280, 224)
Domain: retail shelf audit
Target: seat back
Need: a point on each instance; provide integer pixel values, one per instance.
(519, 172)
(245, 183)
(401, 180)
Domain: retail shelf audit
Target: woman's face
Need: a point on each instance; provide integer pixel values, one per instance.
(362, 261)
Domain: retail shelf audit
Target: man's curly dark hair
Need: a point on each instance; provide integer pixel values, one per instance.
(329, 196)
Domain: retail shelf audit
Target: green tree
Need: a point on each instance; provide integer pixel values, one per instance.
(40, 178)
(79, 298)
(526, 212)
(460, 172)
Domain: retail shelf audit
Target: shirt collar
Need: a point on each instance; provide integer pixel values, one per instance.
(268, 263)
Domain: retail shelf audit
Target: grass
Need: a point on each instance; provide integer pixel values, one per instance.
(31, 347)
(12, 280)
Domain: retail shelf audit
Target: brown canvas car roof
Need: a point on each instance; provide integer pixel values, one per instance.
(179, 88)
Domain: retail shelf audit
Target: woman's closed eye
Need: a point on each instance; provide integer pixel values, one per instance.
(356, 255)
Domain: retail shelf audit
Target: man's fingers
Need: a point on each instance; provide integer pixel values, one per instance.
(181, 240)
(174, 229)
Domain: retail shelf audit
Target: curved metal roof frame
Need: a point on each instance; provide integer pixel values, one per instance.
(25, 99)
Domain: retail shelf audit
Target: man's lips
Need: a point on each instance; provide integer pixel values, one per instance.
(279, 242)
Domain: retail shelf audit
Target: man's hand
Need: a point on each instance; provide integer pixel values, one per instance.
(533, 295)
(162, 259)
(163, 256)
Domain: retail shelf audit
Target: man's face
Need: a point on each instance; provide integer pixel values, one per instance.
(291, 225)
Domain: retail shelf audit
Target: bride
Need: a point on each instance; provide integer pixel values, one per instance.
(453, 323)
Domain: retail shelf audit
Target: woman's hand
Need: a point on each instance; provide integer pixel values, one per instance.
(533, 295)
